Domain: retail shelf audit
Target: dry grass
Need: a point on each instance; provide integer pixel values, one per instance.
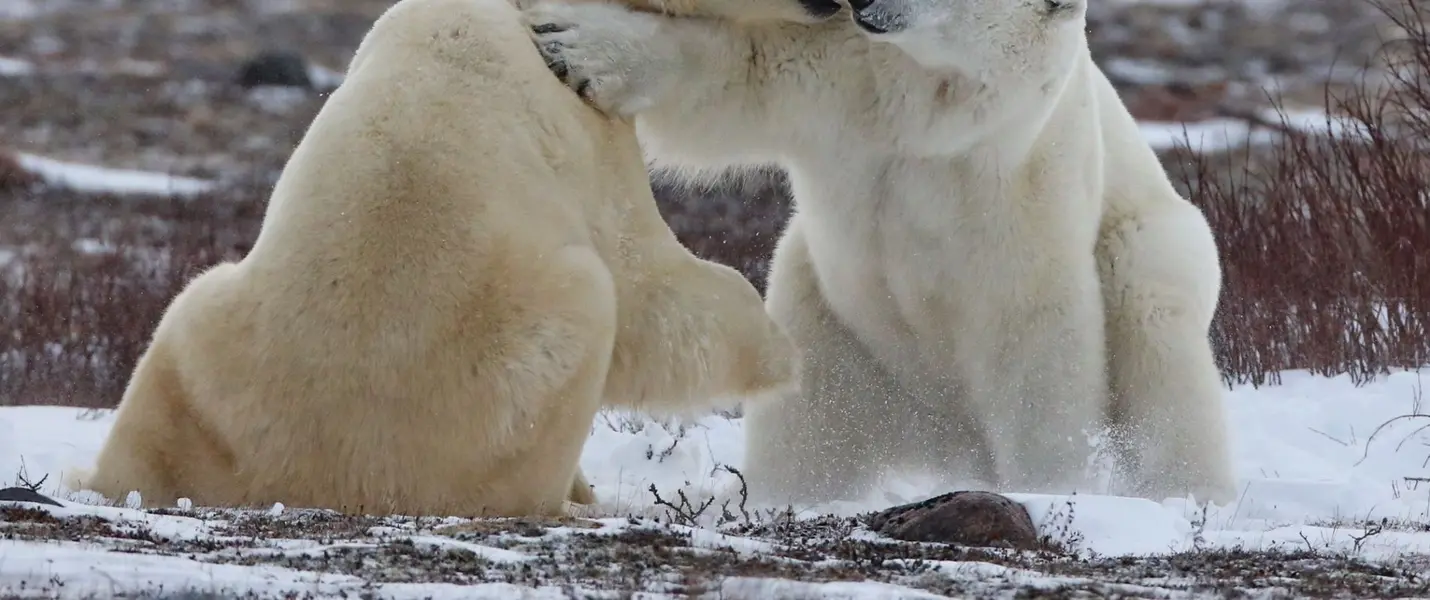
(1322, 242)
(91, 279)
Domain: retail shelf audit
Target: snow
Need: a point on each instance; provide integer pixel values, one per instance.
(1310, 471)
(324, 78)
(90, 572)
(14, 67)
(1210, 135)
(17, 10)
(97, 179)
(1112, 525)
(1220, 134)
(87, 570)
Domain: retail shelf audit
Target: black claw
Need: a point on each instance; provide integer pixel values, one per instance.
(550, 51)
(583, 87)
(549, 28)
(558, 68)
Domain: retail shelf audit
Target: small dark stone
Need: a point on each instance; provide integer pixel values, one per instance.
(19, 494)
(275, 68)
(965, 518)
(14, 176)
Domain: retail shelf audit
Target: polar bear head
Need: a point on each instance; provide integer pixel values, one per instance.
(979, 37)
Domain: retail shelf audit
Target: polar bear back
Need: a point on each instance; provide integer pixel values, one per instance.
(470, 115)
(464, 164)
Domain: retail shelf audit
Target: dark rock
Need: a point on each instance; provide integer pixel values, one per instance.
(965, 518)
(14, 176)
(19, 494)
(275, 68)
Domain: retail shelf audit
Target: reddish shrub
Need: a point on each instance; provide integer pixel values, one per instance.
(1324, 245)
(79, 315)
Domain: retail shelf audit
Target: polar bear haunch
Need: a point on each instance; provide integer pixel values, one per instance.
(459, 265)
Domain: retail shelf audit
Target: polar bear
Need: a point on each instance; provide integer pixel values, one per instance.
(459, 265)
(986, 265)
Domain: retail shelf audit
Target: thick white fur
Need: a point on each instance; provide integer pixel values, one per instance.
(987, 263)
(460, 264)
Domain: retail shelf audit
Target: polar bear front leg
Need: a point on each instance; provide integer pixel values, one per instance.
(1037, 382)
(829, 439)
(1161, 279)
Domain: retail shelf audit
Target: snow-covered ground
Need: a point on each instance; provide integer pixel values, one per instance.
(1315, 460)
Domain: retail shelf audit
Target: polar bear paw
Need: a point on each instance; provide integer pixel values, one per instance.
(616, 59)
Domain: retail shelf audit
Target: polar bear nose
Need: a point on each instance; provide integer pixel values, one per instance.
(859, 5)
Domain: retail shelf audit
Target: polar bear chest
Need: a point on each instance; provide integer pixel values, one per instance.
(911, 275)
(928, 260)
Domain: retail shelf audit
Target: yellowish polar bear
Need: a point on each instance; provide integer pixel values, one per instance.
(460, 261)
(987, 263)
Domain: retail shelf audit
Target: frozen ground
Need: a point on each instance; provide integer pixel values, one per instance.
(1330, 507)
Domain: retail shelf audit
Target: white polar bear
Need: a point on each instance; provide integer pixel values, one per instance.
(460, 264)
(986, 264)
